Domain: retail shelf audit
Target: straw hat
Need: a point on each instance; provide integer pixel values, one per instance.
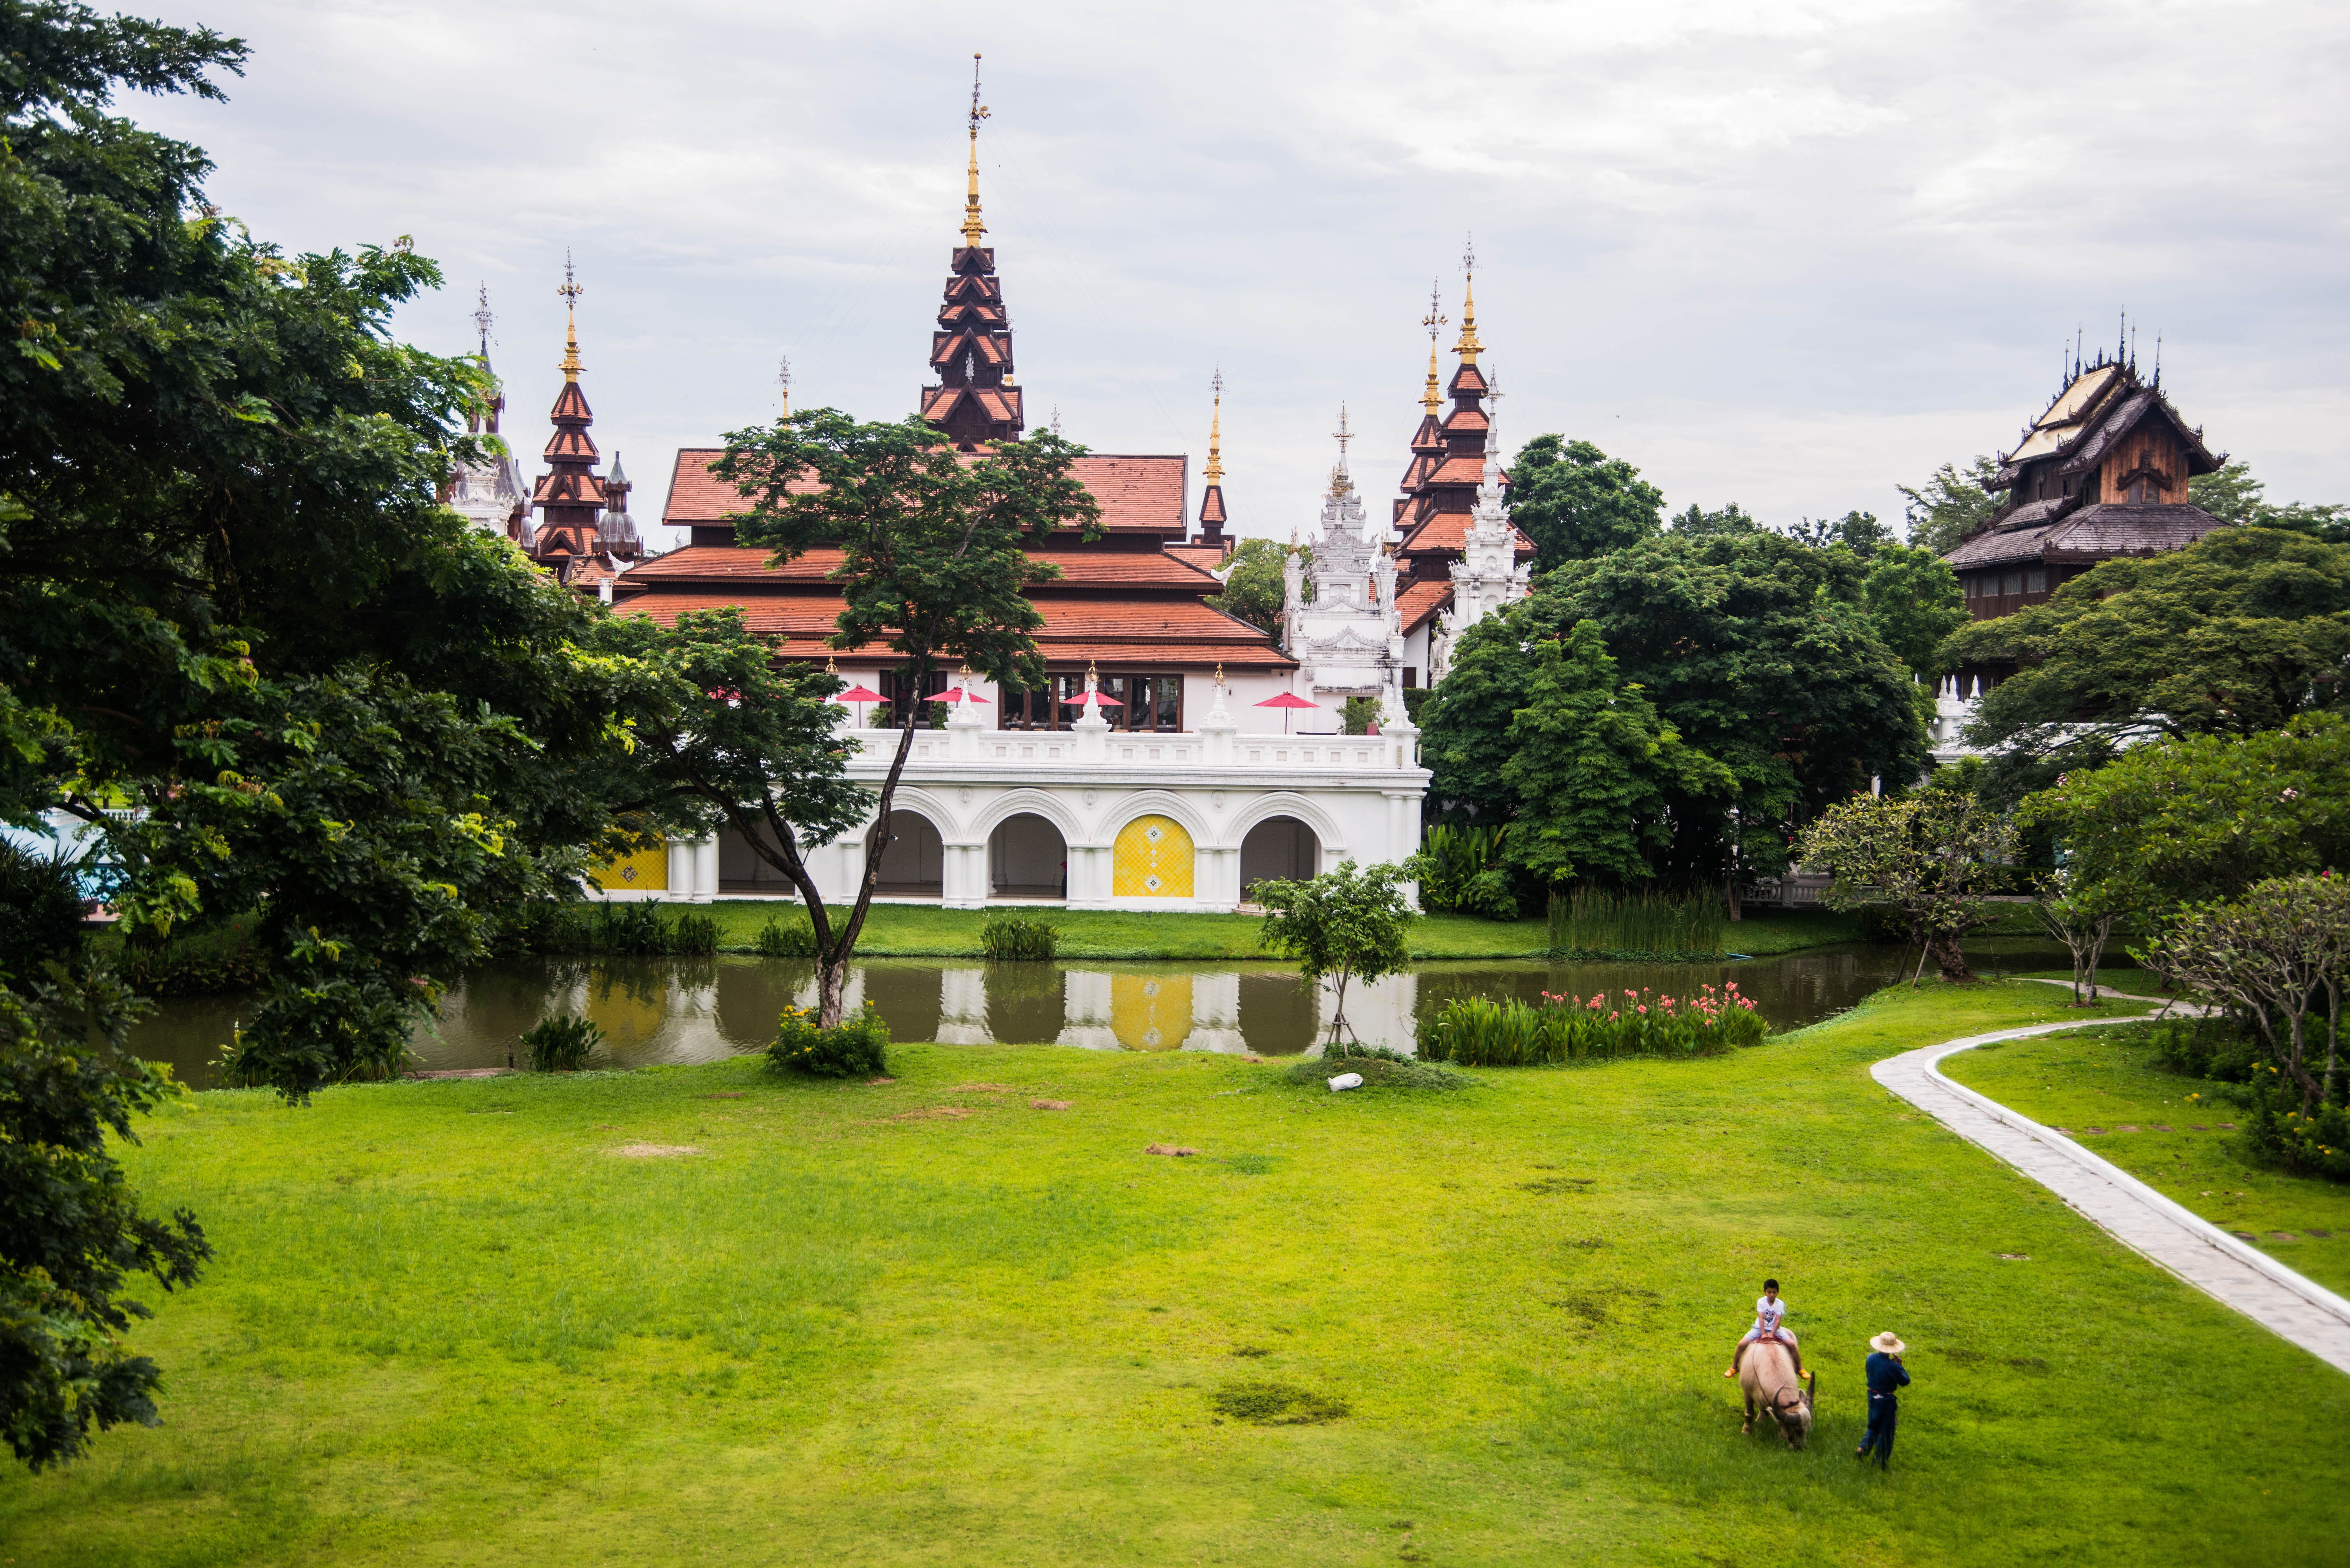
(1888, 1342)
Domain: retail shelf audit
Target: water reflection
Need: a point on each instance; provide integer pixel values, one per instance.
(699, 1010)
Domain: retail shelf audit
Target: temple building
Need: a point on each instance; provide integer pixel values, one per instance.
(2101, 473)
(1194, 780)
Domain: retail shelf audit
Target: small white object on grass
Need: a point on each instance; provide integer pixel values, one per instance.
(1345, 1081)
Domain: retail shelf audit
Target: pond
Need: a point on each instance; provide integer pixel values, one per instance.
(700, 1009)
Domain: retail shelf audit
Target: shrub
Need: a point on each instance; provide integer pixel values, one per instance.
(2216, 1047)
(857, 1049)
(561, 1043)
(1593, 922)
(1461, 872)
(632, 930)
(196, 964)
(40, 909)
(791, 936)
(1477, 1032)
(1380, 1067)
(1019, 938)
(2316, 1143)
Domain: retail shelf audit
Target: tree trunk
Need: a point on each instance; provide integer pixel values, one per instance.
(1339, 1014)
(2332, 1036)
(1730, 897)
(831, 986)
(1948, 956)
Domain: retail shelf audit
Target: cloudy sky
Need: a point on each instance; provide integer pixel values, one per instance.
(1788, 254)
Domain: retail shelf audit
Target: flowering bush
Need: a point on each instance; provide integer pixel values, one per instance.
(1477, 1033)
(857, 1049)
(2314, 1144)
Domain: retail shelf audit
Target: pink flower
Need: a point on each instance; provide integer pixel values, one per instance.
(1644, 1010)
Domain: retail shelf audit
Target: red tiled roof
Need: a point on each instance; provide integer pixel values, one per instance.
(1446, 532)
(1420, 601)
(1136, 493)
(1206, 557)
(1457, 470)
(1467, 419)
(742, 567)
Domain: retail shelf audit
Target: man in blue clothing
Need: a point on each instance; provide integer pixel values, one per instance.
(1886, 1378)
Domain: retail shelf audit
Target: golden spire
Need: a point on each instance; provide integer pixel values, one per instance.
(972, 227)
(570, 291)
(1216, 432)
(1468, 347)
(1432, 400)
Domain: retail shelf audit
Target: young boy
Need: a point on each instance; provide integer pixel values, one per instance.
(1770, 1313)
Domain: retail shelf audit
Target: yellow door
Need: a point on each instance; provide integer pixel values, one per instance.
(646, 871)
(1152, 859)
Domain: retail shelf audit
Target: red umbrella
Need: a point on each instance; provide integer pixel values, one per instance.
(1095, 698)
(858, 694)
(1287, 700)
(956, 694)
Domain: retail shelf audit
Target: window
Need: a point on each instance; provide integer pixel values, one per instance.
(932, 684)
(2145, 490)
(1147, 702)
(2012, 583)
(2036, 581)
(1411, 677)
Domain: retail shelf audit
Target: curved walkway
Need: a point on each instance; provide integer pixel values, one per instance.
(2143, 1219)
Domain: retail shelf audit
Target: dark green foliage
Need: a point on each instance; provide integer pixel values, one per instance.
(1574, 502)
(1858, 531)
(70, 1230)
(234, 599)
(561, 1043)
(1022, 938)
(1645, 923)
(1594, 770)
(2315, 1141)
(1951, 504)
(1477, 1033)
(2208, 815)
(1698, 523)
(1359, 715)
(1914, 601)
(1252, 582)
(856, 1048)
(1269, 1404)
(1461, 871)
(198, 962)
(2219, 1046)
(40, 909)
(2235, 634)
(637, 930)
(787, 935)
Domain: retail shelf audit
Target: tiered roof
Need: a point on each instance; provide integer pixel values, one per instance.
(568, 495)
(974, 402)
(2101, 473)
(1447, 460)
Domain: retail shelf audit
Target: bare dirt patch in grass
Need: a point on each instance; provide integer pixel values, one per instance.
(981, 1089)
(656, 1150)
(1049, 1105)
(932, 1114)
(1177, 1150)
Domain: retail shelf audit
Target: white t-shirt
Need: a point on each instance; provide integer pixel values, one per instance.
(1768, 1310)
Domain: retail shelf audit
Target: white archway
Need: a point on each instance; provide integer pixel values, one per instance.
(1287, 802)
(1027, 858)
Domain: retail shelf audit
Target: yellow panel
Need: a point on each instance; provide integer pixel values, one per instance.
(1152, 860)
(646, 871)
(1151, 1011)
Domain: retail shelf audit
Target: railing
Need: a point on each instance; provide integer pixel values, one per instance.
(1364, 753)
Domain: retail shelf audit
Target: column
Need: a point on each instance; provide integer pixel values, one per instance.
(705, 870)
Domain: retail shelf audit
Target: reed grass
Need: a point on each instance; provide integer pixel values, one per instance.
(1477, 1032)
(1592, 923)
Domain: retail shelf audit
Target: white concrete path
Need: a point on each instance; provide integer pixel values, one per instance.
(2143, 1219)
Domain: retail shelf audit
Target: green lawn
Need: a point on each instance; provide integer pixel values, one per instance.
(2107, 1078)
(452, 1323)
(926, 930)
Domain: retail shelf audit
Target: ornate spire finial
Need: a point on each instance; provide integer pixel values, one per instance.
(783, 380)
(1057, 419)
(570, 291)
(1435, 321)
(1216, 431)
(481, 319)
(1341, 482)
(972, 227)
(1469, 347)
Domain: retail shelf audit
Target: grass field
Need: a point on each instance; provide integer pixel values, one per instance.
(926, 930)
(456, 1322)
(2107, 1078)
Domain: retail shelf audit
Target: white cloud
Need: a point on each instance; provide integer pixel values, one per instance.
(1787, 254)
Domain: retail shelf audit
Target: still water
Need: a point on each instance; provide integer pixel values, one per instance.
(699, 1010)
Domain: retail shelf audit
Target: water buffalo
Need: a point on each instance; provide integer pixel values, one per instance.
(1767, 1374)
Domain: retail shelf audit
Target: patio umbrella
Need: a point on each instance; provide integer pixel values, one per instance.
(956, 694)
(1286, 701)
(859, 694)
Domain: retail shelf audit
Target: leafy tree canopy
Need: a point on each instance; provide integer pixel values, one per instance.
(1931, 855)
(70, 1230)
(1252, 582)
(1698, 523)
(2234, 495)
(1575, 501)
(1593, 768)
(1950, 505)
(2204, 816)
(1858, 531)
(1758, 652)
(1347, 924)
(2236, 633)
(1914, 601)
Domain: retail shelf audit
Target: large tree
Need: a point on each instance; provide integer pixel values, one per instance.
(1758, 651)
(2234, 634)
(1574, 502)
(933, 561)
(236, 603)
(2232, 494)
(1593, 768)
(1914, 601)
(1254, 590)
